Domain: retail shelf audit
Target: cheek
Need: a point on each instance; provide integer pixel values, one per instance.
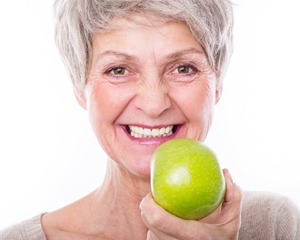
(207, 102)
(105, 104)
(197, 105)
(197, 101)
(97, 105)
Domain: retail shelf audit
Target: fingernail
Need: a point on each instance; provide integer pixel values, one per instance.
(140, 206)
(148, 235)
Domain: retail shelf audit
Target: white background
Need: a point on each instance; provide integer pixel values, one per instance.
(49, 156)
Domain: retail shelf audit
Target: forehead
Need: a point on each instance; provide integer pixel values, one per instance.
(136, 20)
(140, 34)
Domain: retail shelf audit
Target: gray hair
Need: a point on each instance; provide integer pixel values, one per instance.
(210, 21)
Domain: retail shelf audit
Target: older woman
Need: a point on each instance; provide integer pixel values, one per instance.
(147, 72)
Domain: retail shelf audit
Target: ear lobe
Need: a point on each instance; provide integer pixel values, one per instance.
(219, 90)
(80, 97)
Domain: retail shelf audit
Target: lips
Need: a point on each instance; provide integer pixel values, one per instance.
(140, 132)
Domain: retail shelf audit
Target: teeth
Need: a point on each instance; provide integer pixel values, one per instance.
(139, 132)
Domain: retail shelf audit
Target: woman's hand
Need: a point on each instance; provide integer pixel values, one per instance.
(223, 223)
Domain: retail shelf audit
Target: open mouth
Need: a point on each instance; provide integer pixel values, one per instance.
(140, 132)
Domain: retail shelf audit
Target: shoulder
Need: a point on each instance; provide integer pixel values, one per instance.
(269, 216)
(30, 229)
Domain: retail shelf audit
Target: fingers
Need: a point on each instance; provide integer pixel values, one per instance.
(163, 225)
(151, 236)
(233, 192)
(230, 208)
(223, 223)
(229, 219)
(233, 198)
(158, 235)
(156, 218)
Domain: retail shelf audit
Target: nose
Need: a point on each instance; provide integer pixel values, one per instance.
(153, 100)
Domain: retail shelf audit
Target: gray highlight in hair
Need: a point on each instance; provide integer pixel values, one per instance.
(211, 22)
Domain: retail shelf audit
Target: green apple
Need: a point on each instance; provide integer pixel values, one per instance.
(186, 178)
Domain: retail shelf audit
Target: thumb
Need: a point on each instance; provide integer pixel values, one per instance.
(151, 236)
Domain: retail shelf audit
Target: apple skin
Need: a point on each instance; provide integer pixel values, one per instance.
(186, 178)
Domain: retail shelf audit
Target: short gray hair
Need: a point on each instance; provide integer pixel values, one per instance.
(211, 22)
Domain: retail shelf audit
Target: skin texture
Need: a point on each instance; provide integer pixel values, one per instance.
(149, 75)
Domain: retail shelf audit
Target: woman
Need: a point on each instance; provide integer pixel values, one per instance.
(136, 67)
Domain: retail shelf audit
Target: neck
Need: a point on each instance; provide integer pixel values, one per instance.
(110, 212)
(118, 199)
(124, 183)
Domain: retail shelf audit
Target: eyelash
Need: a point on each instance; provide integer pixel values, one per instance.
(192, 69)
(176, 75)
(110, 70)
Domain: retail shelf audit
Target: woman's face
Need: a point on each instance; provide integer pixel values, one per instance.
(147, 85)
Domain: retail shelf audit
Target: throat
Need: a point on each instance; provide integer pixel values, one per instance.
(117, 201)
(121, 184)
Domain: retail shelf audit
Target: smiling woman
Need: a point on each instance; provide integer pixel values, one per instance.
(147, 72)
(150, 94)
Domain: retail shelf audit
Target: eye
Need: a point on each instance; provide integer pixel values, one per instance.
(184, 69)
(120, 74)
(183, 72)
(118, 71)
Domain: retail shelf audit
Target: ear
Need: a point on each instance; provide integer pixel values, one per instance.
(80, 97)
(219, 90)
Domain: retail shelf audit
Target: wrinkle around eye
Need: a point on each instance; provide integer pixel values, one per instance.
(105, 74)
(177, 77)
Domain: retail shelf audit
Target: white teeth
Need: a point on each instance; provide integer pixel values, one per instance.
(139, 132)
(162, 131)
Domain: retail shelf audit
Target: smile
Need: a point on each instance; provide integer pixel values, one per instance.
(139, 132)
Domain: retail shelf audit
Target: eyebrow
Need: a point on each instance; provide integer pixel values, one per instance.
(185, 52)
(116, 54)
(128, 57)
